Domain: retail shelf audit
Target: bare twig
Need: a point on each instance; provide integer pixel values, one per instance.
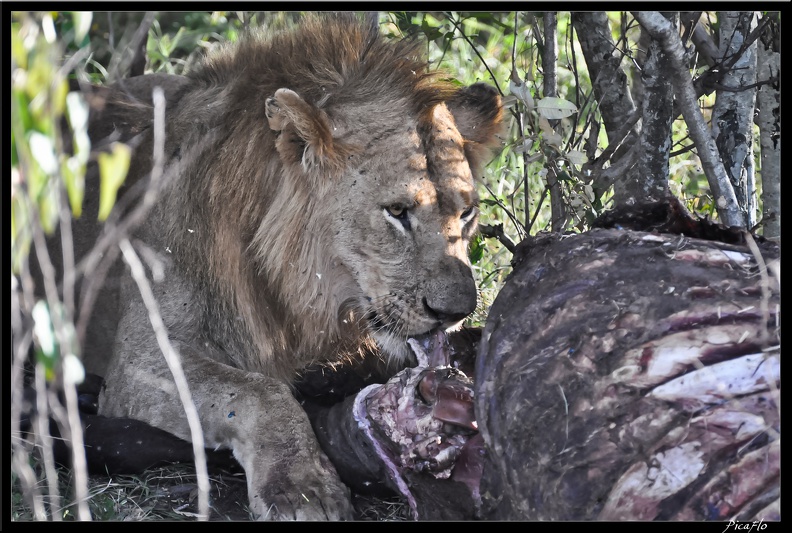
(620, 167)
(520, 121)
(496, 232)
(137, 64)
(41, 423)
(114, 233)
(704, 44)
(174, 364)
(765, 286)
(101, 257)
(171, 357)
(538, 208)
(22, 339)
(473, 46)
(517, 224)
(59, 322)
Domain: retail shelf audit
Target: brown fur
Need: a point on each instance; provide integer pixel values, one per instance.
(285, 155)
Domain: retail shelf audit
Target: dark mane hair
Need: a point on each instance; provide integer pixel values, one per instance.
(329, 59)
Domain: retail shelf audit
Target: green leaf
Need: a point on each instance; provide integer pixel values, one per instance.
(73, 172)
(476, 249)
(20, 224)
(18, 52)
(48, 208)
(576, 157)
(59, 93)
(113, 170)
(49, 351)
(73, 169)
(523, 92)
(46, 344)
(20, 104)
(555, 108)
(82, 23)
(42, 151)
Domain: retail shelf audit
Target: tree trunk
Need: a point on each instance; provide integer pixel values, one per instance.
(608, 81)
(732, 116)
(668, 36)
(633, 375)
(558, 216)
(657, 106)
(769, 122)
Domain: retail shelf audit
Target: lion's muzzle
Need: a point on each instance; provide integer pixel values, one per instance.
(451, 296)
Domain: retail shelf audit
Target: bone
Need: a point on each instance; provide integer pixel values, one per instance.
(411, 429)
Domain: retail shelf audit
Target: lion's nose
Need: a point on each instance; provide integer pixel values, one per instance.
(444, 316)
(451, 295)
(447, 317)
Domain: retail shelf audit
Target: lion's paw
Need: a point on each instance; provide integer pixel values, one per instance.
(283, 500)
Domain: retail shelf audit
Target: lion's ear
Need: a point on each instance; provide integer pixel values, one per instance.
(478, 114)
(304, 132)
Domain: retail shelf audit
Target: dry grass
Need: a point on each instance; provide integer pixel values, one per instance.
(171, 494)
(167, 493)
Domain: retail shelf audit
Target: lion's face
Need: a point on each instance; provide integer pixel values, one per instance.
(395, 205)
(406, 209)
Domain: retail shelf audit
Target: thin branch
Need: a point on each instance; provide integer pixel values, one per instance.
(44, 399)
(473, 46)
(765, 287)
(705, 83)
(538, 207)
(517, 223)
(742, 88)
(174, 364)
(171, 357)
(622, 166)
(521, 126)
(496, 232)
(113, 233)
(22, 337)
(683, 150)
(59, 326)
(704, 44)
(619, 138)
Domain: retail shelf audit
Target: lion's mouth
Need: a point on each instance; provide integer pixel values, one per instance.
(399, 328)
(376, 322)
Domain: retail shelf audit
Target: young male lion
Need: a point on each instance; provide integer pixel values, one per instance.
(317, 203)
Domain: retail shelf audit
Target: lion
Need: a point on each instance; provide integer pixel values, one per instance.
(317, 202)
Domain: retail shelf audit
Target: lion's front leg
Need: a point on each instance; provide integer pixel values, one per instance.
(288, 476)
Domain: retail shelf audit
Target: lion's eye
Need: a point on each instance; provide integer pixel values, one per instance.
(397, 211)
(398, 215)
(468, 214)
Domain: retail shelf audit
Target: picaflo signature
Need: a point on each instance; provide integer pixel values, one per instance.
(745, 526)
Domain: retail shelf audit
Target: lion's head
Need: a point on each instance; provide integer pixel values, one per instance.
(341, 191)
(399, 213)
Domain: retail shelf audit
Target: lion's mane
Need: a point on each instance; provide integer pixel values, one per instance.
(251, 229)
